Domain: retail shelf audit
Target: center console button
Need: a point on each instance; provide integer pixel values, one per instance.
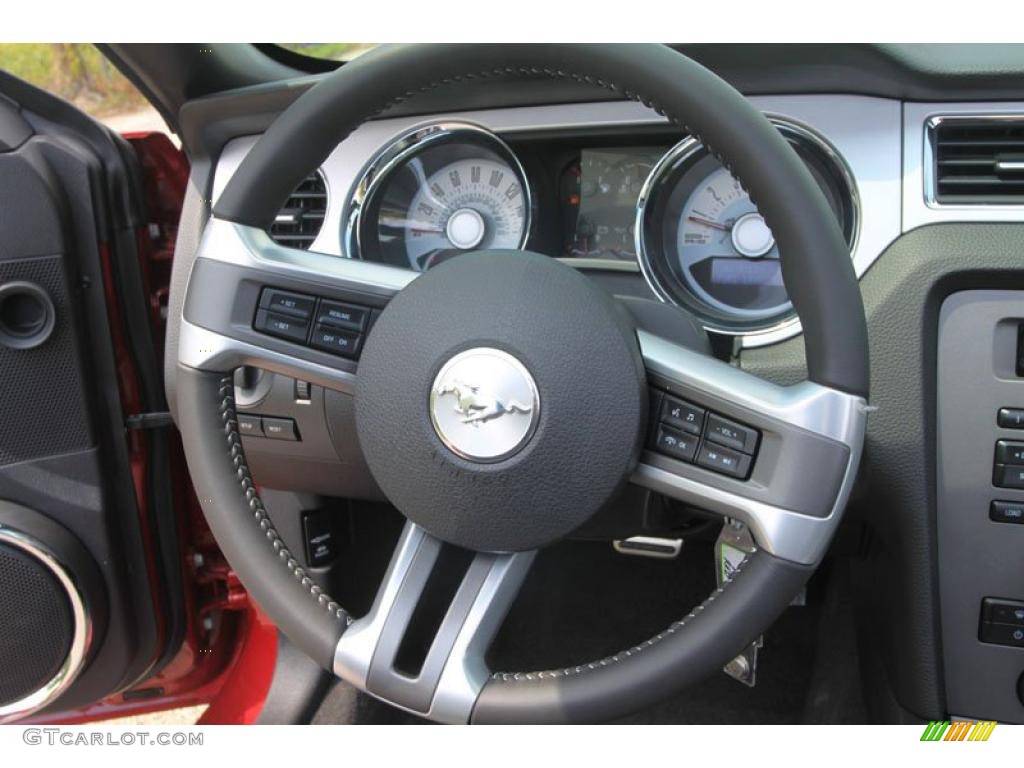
(1002, 634)
(1008, 476)
(1009, 452)
(1001, 611)
(1006, 512)
(1010, 418)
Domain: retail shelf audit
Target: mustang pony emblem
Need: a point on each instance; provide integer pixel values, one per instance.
(477, 408)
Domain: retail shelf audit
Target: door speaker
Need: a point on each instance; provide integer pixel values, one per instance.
(46, 623)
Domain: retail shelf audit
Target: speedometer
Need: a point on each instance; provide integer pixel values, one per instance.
(437, 192)
(702, 243)
(467, 205)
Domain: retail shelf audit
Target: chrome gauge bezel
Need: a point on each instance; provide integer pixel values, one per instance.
(393, 156)
(689, 151)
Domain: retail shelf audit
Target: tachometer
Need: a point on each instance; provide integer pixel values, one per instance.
(727, 253)
(437, 192)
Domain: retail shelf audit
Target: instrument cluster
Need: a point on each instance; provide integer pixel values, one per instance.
(662, 203)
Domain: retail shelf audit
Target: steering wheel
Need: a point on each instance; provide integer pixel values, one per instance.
(502, 399)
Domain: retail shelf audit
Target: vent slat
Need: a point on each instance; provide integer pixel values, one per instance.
(984, 143)
(967, 154)
(302, 215)
(967, 181)
(967, 162)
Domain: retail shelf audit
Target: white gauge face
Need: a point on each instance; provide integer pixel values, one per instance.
(468, 205)
(727, 253)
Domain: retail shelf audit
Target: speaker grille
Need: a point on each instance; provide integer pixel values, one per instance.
(36, 624)
(42, 410)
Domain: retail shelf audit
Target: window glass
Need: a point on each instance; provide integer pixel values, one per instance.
(79, 73)
(330, 51)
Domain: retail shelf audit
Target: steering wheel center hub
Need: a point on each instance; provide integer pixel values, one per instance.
(489, 420)
(484, 404)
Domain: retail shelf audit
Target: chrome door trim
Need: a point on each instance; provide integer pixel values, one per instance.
(81, 638)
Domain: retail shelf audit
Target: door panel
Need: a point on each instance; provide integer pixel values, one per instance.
(69, 213)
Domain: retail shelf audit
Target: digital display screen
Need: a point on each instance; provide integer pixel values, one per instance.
(733, 271)
(599, 197)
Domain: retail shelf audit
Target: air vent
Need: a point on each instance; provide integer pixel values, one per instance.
(979, 161)
(299, 221)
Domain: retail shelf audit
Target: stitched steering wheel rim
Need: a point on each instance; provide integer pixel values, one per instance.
(814, 259)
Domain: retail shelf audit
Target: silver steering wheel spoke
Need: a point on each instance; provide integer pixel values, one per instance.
(453, 671)
(806, 457)
(234, 264)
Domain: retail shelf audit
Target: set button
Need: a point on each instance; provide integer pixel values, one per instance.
(287, 303)
(331, 326)
(282, 326)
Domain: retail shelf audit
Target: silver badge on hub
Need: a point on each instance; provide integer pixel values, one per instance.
(484, 404)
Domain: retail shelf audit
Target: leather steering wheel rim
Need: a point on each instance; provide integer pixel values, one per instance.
(817, 273)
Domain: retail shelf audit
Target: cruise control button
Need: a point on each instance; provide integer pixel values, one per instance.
(682, 415)
(280, 429)
(336, 342)
(675, 443)
(1008, 476)
(1009, 453)
(1010, 418)
(285, 327)
(250, 425)
(730, 434)
(724, 460)
(1006, 512)
(339, 315)
(286, 303)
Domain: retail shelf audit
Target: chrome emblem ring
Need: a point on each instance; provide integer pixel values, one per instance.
(484, 405)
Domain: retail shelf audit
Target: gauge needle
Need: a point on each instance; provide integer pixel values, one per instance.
(709, 223)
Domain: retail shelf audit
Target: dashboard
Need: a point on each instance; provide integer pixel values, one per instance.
(610, 188)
